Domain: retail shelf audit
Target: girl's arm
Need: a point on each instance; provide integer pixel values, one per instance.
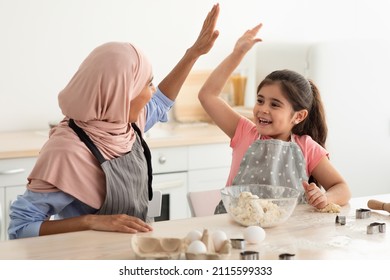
(219, 111)
(337, 190)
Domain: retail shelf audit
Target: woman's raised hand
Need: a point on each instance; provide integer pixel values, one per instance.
(208, 34)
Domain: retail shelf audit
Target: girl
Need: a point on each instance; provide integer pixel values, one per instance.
(285, 144)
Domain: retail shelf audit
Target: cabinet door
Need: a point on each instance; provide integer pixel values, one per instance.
(2, 214)
(14, 172)
(168, 160)
(209, 156)
(207, 179)
(13, 178)
(10, 195)
(175, 186)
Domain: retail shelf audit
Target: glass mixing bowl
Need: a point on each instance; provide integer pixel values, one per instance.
(261, 205)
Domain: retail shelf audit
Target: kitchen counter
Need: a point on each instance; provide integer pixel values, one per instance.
(28, 143)
(308, 234)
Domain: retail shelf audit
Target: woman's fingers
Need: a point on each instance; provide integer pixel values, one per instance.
(121, 223)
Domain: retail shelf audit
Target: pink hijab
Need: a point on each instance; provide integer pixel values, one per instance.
(98, 99)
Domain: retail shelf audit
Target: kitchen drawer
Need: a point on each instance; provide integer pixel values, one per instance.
(207, 179)
(166, 160)
(15, 171)
(209, 156)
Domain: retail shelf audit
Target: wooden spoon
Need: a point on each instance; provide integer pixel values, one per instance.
(378, 205)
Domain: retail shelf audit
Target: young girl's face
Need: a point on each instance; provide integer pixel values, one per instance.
(273, 113)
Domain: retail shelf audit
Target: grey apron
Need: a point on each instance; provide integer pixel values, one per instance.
(272, 162)
(128, 178)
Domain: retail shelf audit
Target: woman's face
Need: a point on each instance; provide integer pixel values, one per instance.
(138, 103)
(273, 113)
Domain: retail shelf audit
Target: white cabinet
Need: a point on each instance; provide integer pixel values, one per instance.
(13, 180)
(174, 186)
(2, 216)
(170, 177)
(204, 167)
(168, 160)
(208, 166)
(207, 179)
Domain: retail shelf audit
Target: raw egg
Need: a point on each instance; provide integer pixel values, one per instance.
(218, 238)
(194, 235)
(197, 247)
(254, 234)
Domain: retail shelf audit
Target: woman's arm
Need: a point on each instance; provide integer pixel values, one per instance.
(219, 111)
(169, 88)
(31, 211)
(337, 190)
(118, 223)
(173, 82)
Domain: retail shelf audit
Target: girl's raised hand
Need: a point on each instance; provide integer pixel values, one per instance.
(314, 196)
(246, 41)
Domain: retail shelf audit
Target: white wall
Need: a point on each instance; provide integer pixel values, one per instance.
(44, 41)
(353, 78)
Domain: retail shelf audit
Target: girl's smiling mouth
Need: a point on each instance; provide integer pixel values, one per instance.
(264, 121)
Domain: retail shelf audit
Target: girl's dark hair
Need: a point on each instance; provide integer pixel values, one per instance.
(302, 94)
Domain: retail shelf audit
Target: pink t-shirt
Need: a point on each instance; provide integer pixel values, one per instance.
(246, 133)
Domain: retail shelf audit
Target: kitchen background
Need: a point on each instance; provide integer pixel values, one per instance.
(342, 45)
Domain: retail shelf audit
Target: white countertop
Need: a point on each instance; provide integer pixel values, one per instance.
(308, 234)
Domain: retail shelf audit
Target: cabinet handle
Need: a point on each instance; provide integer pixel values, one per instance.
(12, 171)
(162, 159)
(169, 185)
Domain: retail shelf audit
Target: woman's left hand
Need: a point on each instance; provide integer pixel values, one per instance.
(208, 34)
(314, 196)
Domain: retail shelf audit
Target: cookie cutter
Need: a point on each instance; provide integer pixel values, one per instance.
(340, 220)
(363, 213)
(249, 255)
(286, 256)
(376, 227)
(238, 243)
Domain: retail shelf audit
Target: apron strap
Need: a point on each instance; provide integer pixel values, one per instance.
(87, 141)
(95, 151)
(148, 157)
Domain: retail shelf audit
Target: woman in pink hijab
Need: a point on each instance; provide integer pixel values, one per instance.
(94, 172)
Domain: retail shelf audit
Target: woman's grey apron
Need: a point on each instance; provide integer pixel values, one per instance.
(272, 162)
(128, 178)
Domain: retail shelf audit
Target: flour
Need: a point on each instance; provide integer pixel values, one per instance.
(251, 210)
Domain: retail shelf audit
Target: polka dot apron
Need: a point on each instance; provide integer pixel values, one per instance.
(272, 162)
